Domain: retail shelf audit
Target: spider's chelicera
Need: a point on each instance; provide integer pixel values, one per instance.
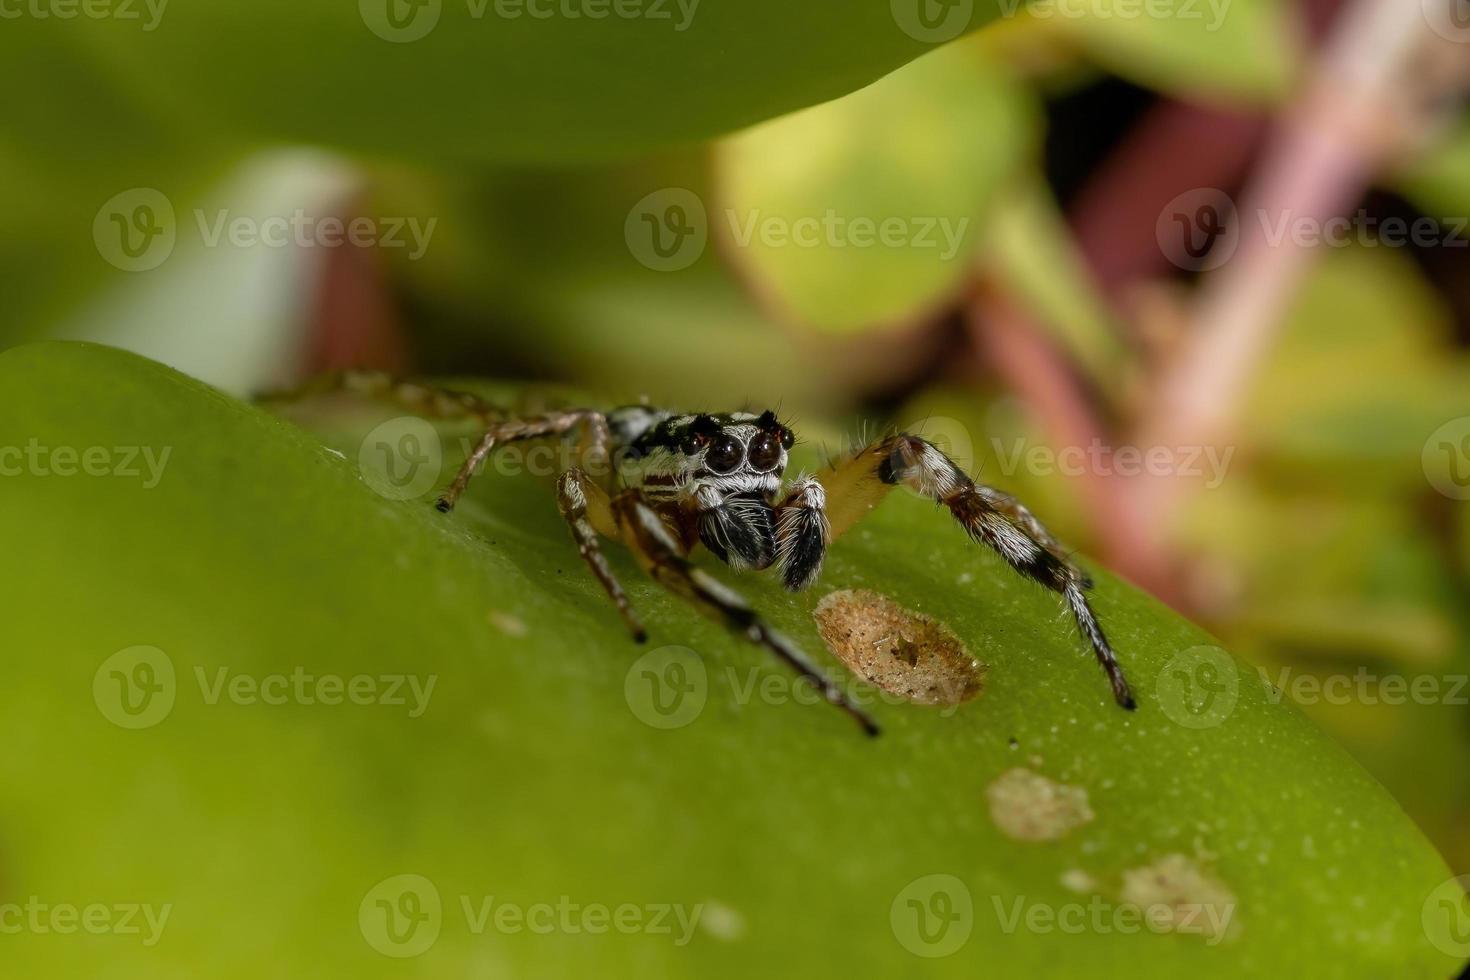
(719, 480)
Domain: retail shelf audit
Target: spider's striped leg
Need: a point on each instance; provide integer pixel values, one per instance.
(424, 400)
(514, 430)
(856, 485)
(802, 533)
(660, 555)
(588, 512)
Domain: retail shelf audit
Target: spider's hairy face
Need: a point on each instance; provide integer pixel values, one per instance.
(730, 454)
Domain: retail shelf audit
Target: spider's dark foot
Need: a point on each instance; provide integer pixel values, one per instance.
(443, 506)
(640, 636)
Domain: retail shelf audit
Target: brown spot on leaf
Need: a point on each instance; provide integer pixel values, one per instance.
(905, 653)
(1028, 806)
(1177, 895)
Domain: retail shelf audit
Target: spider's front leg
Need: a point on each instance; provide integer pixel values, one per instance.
(856, 484)
(660, 555)
(420, 399)
(515, 430)
(588, 512)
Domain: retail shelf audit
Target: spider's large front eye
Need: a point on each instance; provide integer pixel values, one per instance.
(724, 454)
(765, 452)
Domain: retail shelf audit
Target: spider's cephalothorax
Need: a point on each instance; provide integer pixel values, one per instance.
(716, 478)
(679, 481)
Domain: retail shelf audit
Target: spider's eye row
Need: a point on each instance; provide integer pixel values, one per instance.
(724, 454)
(765, 452)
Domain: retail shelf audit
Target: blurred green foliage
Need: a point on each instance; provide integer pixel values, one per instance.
(528, 143)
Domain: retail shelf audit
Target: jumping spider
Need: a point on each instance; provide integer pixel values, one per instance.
(717, 479)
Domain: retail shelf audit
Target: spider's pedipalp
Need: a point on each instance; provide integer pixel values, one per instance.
(738, 528)
(987, 515)
(802, 533)
(656, 549)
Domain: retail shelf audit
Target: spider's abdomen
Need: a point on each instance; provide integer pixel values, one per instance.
(631, 423)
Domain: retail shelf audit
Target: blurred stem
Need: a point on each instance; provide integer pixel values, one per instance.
(1331, 142)
(1019, 351)
(1354, 112)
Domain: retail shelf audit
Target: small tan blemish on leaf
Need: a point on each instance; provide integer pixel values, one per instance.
(1028, 806)
(506, 623)
(905, 653)
(1178, 895)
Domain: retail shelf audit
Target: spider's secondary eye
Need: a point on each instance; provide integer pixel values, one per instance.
(788, 438)
(724, 455)
(765, 452)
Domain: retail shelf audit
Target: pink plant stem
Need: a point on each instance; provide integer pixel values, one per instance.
(1019, 352)
(1316, 167)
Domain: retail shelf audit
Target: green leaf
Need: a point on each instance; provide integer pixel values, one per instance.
(1365, 314)
(454, 80)
(1439, 182)
(867, 212)
(272, 831)
(1033, 252)
(1236, 50)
